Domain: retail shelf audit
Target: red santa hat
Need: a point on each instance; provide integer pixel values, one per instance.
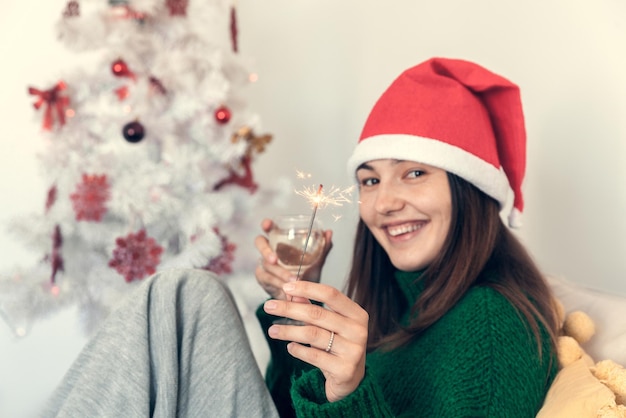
(457, 116)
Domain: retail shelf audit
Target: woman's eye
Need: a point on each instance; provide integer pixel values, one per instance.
(415, 173)
(368, 181)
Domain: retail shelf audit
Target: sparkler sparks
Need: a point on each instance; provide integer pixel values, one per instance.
(334, 196)
(320, 198)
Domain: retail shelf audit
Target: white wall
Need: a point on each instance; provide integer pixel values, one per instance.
(321, 64)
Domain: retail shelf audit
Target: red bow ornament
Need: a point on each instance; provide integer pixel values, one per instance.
(53, 101)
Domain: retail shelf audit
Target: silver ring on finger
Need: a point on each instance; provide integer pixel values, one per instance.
(330, 342)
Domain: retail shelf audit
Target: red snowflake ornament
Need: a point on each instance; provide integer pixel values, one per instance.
(222, 264)
(90, 197)
(136, 256)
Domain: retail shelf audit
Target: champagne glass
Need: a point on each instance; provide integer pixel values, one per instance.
(298, 241)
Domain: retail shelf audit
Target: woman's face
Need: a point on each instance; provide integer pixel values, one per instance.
(407, 206)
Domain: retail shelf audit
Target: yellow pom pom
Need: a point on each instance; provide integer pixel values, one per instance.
(579, 326)
(613, 375)
(568, 350)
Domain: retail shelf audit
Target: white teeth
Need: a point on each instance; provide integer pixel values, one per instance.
(403, 229)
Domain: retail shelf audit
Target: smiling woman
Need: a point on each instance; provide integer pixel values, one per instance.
(443, 302)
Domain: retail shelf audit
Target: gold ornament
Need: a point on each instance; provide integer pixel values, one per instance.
(255, 143)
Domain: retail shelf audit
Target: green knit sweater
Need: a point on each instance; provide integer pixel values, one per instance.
(479, 360)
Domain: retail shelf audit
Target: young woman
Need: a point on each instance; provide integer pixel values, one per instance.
(445, 314)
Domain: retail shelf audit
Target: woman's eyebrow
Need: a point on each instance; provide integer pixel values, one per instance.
(366, 166)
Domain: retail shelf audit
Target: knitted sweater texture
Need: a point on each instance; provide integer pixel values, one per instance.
(479, 360)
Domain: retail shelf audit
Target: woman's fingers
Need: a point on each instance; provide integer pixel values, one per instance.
(331, 297)
(340, 314)
(293, 308)
(268, 273)
(263, 246)
(266, 225)
(315, 337)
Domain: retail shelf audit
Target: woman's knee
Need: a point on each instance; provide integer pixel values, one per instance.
(190, 286)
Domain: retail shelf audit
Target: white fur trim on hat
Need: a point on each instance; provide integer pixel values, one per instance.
(488, 178)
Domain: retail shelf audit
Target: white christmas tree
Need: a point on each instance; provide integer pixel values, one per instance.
(148, 159)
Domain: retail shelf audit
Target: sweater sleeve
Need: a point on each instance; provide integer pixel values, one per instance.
(309, 399)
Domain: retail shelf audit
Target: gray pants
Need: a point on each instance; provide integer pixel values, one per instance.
(176, 347)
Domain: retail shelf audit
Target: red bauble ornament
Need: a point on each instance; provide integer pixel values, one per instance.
(90, 198)
(133, 132)
(136, 256)
(222, 115)
(119, 68)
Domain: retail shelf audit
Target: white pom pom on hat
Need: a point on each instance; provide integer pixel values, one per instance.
(455, 115)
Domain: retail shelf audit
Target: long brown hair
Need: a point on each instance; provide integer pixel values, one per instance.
(479, 250)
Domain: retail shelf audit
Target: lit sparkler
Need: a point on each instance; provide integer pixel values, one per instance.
(316, 203)
(318, 198)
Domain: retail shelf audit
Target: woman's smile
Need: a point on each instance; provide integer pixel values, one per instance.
(402, 229)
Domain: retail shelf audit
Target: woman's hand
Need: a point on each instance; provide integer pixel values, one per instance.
(271, 276)
(334, 337)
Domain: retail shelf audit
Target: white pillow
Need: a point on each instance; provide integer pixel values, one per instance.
(607, 311)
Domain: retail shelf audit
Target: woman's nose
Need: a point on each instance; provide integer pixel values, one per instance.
(388, 198)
